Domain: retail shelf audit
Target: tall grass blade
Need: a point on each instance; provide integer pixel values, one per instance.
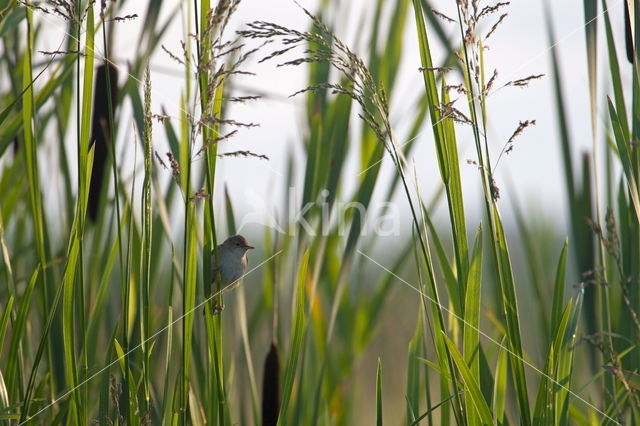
(558, 292)
(565, 363)
(614, 68)
(379, 394)
(14, 366)
(471, 384)
(499, 398)
(591, 35)
(471, 338)
(413, 371)
(447, 152)
(4, 320)
(512, 317)
(145, 273)
(32, 167)
(622, 142)
(297, 332)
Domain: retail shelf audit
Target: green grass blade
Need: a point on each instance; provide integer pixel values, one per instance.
(578, 209)
(431, 90)
(101, 299)
(430, 410)
(471, 385)
(447, 152)
(32, 167)
(545, 408)
(614, 69)
(413, 371)
(500, 390)
(17, 334)
(379, 394)
(4, 321)
(566, 364)
(189, 302)
(105, 385)
(591, 34)
(84, 173)
(512, 318)
(454, 195)
(558, 293)
(446, 267)
(623, 142)
(69, 327)
(297, 332)
(471, 338)
(146, 208)
(165, 408)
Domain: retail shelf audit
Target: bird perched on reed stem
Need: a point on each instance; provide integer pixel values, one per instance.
(232, 254)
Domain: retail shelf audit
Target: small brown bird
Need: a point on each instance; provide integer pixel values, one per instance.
(233, 263)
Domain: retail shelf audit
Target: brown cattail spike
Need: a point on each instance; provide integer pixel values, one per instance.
(271, 388)
(627, 33)
(101, 131)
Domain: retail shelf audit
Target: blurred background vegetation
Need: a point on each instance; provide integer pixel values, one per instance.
(390, 284)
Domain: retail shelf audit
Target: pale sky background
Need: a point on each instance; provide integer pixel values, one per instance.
(518, 49)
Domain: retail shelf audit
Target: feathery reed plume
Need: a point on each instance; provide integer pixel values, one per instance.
(124, 18)
(521, 126)
(442, 16)
(215, 62)
(245, 154)
(524, 82)
(437, 69)
(200, 195)
(61, 52)
(495, 26)
(508, 146)
(175, 167)
(487, 10)
(101, 131)
(322, 46)
(492, 80)
(271, 387)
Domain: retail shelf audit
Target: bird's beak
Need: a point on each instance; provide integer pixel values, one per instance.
(249, 247)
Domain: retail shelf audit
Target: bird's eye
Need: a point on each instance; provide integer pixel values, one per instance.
(237, 244)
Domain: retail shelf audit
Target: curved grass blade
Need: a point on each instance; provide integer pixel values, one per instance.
(472, 387)
(430, 410)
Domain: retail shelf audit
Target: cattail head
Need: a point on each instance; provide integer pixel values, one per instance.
(101, 130)
(628, 34)
(271, 388)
